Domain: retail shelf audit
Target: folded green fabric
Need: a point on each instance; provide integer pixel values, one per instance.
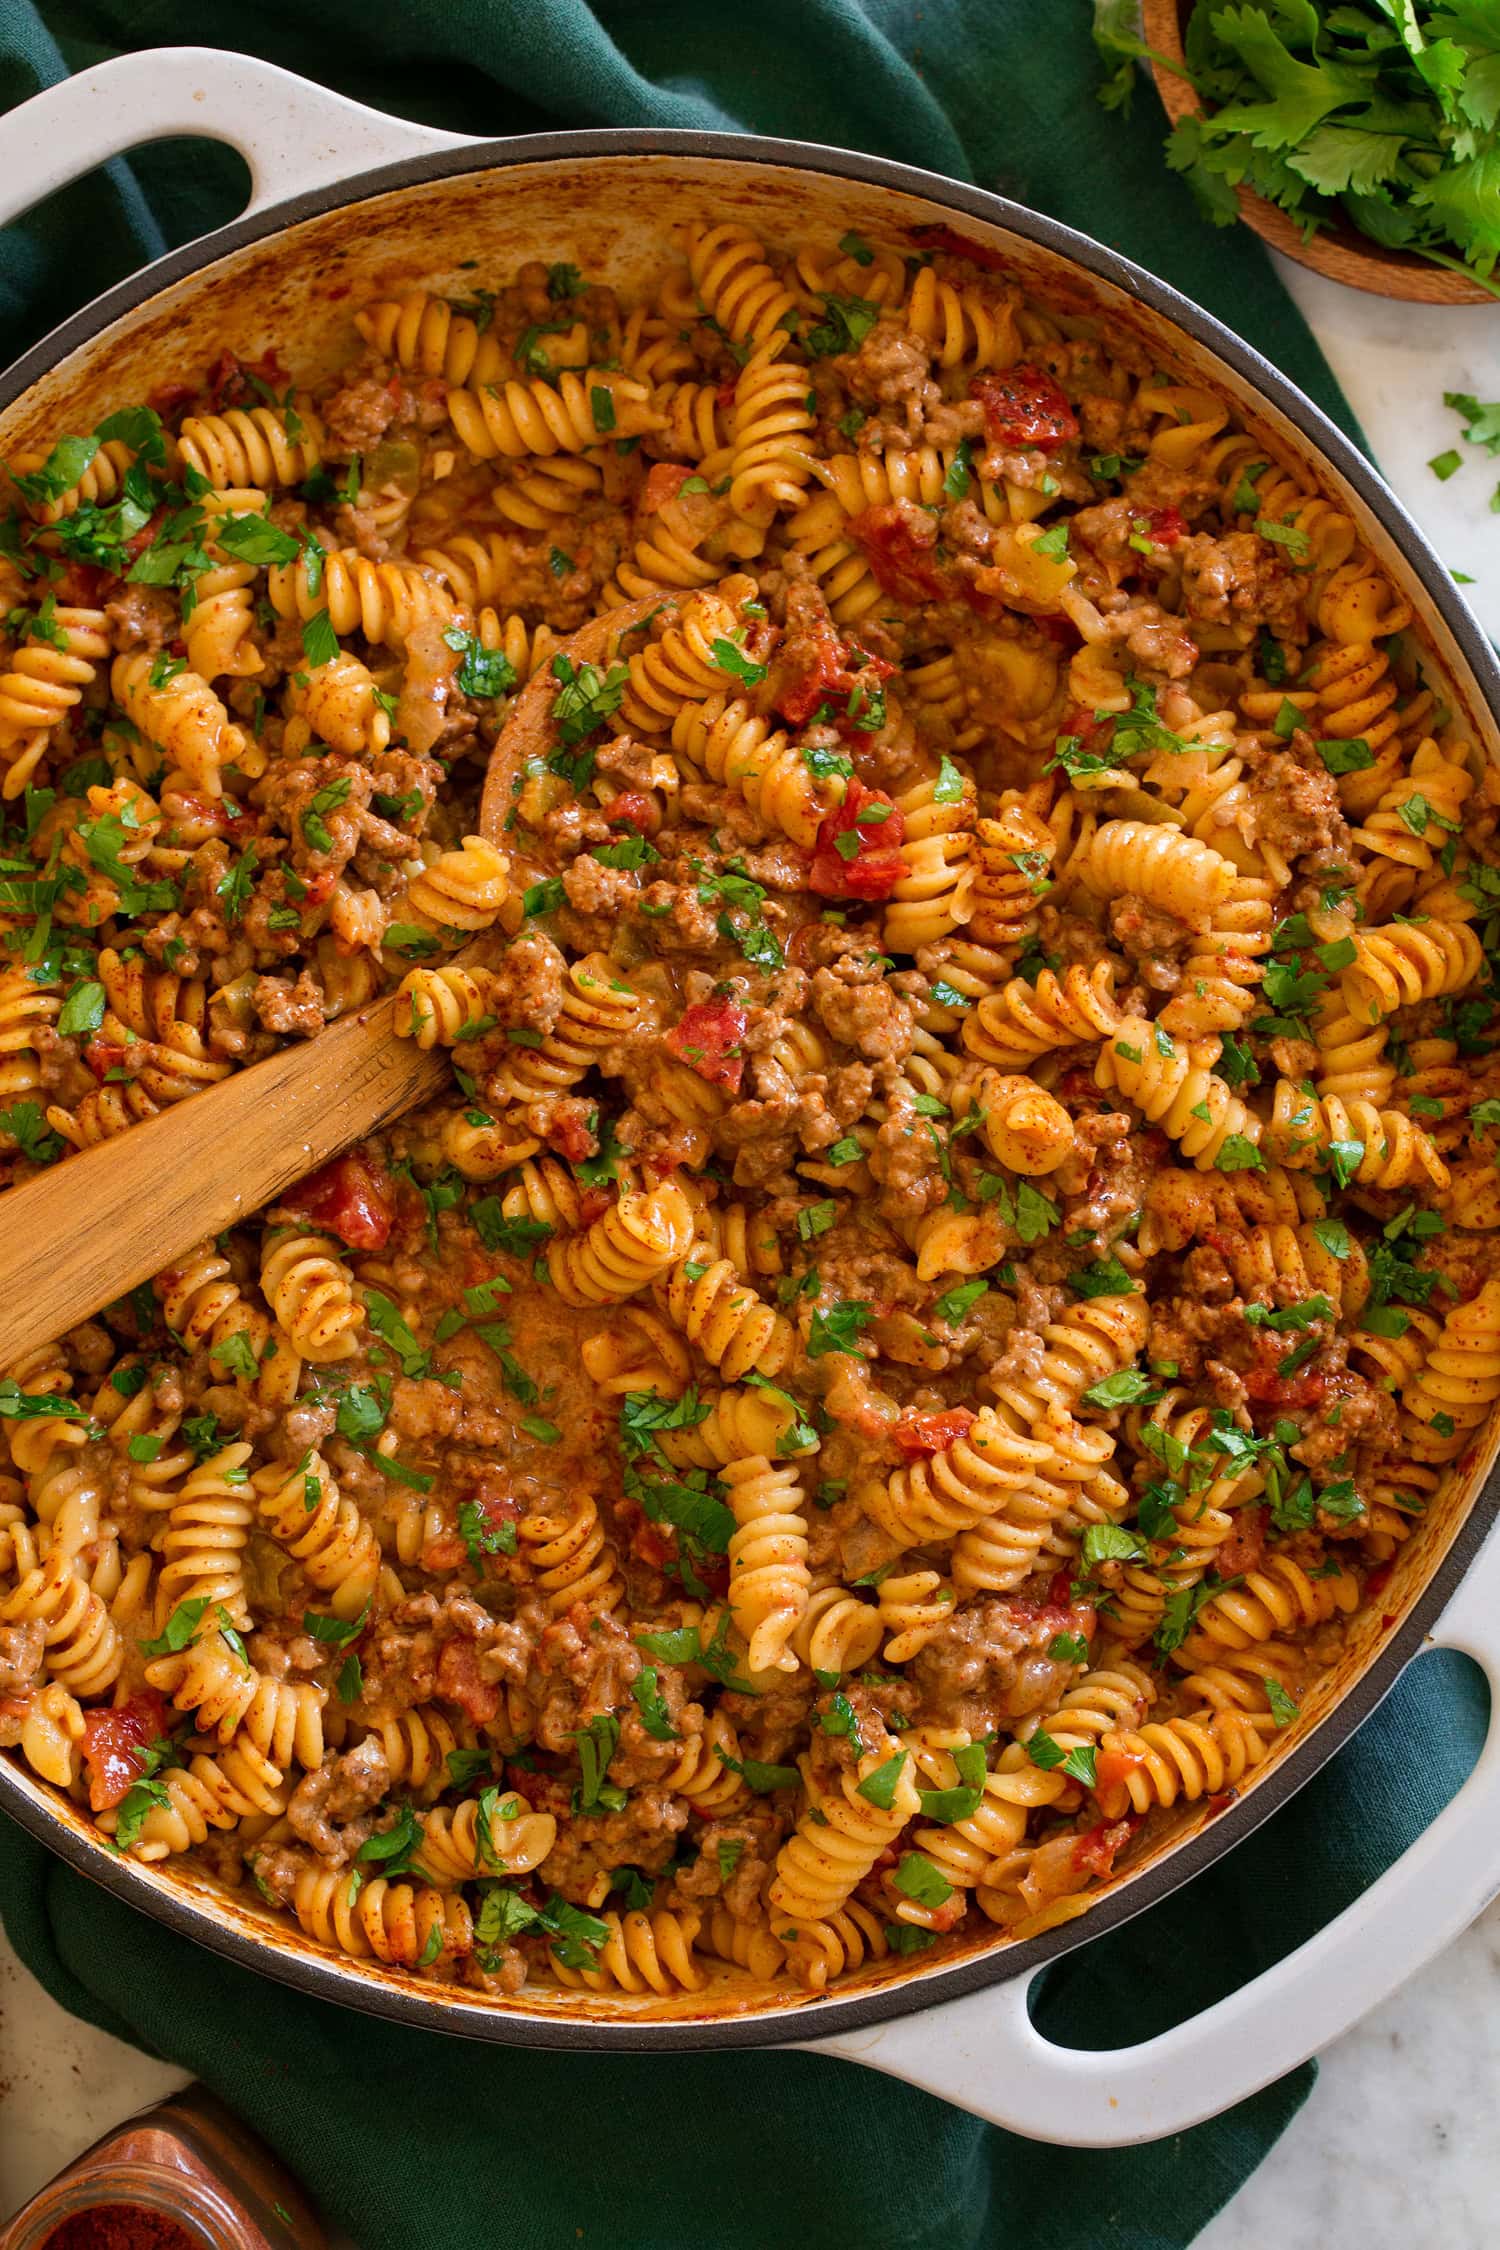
(414, 2141)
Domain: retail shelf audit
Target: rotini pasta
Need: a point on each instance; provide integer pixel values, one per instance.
(958, 1249)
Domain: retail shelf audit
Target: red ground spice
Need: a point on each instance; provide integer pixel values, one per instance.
(119, 2226)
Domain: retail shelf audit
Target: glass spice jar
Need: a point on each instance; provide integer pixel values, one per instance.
(185, 2175)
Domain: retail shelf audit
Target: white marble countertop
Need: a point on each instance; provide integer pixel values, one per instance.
(1396, 2142)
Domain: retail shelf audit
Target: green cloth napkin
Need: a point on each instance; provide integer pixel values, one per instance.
(414, 2141)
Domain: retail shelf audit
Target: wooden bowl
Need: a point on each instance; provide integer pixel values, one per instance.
(1338, 251)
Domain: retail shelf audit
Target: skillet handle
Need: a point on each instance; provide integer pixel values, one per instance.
(984, 2054)
(292, 134)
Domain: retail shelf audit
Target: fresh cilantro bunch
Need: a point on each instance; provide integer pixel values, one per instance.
(1385, 113)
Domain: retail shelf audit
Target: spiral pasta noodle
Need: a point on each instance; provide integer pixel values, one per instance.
(386, 601)
(726, 1321)
(1178, 1091)
(425, 333)
(45, 680)
(572, 1558)
(203, 1539)
(255, 446)
(1013, 1026)
(308, 1289)
(735, 285)
(514, 419)
(624, 1250)
(956, 1257)
(726, 741)
(442, 1006)
(599, 1009)
(823, 1861)
(338, 1551)
(768, 1574)
(341, 705)
(398, 1923)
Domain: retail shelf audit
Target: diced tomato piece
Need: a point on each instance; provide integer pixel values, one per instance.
(593, 1202)
(1378, 1579)
(146, 536)
(815, 670)
(1112, 1771)
(458, 1681)
(168, 398)
(1082, 722)
(1096, 1849)
(860, 710)
(226, 383)
(1058, 1606)
(103, 1056)
(677, 1146)
(709, 1038)
(655, 1545)
(232, 380)
(316, 891)
(873, 867)
(897, 540)
(570, 1136)
(917, 1434)
(352, 1198)
(82, 583)
(1245, 1547)
(665, 480)
(210, 810)
(1058, 1613)
(487, 1490)
(1024, 408)
(652, 1544)
(1270, 1389)
(494, 1502)
(634, 809)
(1165, 527)
(714, 1572)
(115, 1745)
(959, 246)
(808, 674)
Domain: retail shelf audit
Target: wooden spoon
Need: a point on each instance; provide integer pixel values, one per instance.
(87, 1231)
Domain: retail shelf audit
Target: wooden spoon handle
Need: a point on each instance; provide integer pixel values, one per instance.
(85, 1232)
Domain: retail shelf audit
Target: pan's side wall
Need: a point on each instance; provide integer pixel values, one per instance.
(620, 219)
